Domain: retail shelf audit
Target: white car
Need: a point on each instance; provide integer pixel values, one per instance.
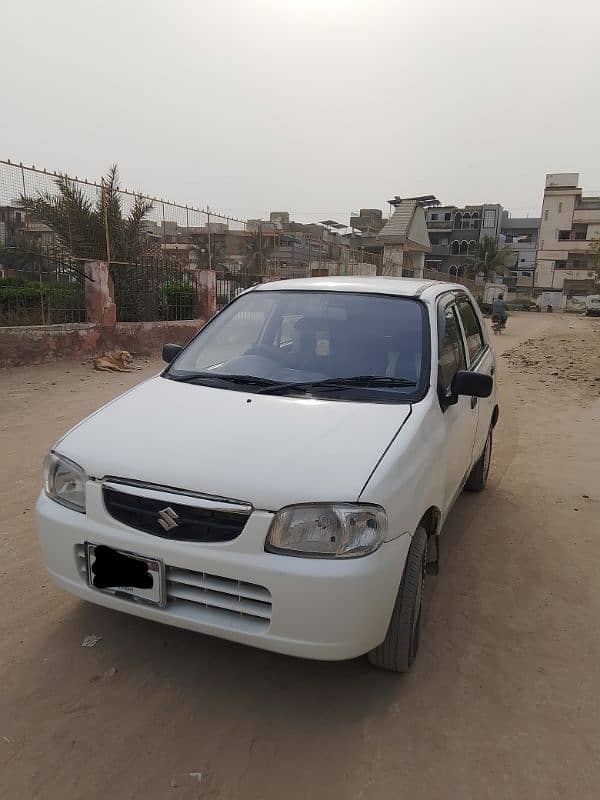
(283, 483)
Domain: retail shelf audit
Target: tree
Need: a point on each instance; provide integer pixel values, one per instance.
(489, 258)
(594, 251)
(81, 225)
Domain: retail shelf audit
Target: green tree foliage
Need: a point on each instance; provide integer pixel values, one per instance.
(80, 224)
(489, 258)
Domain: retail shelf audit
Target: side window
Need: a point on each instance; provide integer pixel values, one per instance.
(473, 333)
(452, 353)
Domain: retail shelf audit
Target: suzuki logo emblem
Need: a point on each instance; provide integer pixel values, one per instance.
(167, 518)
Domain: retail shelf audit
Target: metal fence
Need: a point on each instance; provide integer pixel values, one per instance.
(154, 289)
(40, 287)
(92, 220)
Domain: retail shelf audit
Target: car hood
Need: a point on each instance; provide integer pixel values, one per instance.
(268, 450)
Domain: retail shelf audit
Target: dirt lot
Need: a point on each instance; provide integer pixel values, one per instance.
(503, 702)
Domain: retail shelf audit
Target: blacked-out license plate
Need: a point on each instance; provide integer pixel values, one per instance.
(125, 574)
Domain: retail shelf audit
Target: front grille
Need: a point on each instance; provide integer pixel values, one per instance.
(194, 524)
(224, 598)
(222, 602)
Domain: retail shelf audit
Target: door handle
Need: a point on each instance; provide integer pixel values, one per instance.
(473, 402)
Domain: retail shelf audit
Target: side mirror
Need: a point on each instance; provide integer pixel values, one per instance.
(170, 352)
(472, 384)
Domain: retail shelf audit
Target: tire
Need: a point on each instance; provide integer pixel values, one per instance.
(398, 650)
(479, 474)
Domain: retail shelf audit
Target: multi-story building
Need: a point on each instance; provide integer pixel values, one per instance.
(455, 232)
(520, 234)
(17, 227)
(569, 222)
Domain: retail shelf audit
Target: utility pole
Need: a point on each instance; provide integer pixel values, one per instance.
(209, 239)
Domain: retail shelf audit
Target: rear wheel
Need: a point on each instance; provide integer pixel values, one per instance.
(399, 648)
(479, 474)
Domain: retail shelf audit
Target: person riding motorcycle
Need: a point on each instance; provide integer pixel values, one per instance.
(499, 311)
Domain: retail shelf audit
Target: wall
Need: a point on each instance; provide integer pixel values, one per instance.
(41, 344)
(38, 344)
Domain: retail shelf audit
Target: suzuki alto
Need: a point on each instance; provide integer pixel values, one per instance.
(284, 482)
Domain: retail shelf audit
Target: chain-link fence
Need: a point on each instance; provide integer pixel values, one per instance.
(91, 220)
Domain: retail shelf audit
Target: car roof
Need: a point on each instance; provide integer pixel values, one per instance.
(403, 287)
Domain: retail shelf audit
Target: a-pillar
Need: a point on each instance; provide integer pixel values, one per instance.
(393, 254)
(206, 292)
(418, 260)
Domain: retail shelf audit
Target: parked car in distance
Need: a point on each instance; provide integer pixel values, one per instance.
(592, 305)
(284, 481)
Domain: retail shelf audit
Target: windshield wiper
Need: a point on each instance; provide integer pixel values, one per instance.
(355, 381)
(203, 377)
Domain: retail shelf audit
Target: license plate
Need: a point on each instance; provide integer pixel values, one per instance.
(126, 574)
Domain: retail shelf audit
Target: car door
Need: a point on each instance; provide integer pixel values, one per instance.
(459, 414)
(480, 358)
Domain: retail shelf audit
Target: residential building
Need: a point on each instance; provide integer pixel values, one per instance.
(521, 235)
(570, 220)
(455, 232)
(369, 221)
(15, 226)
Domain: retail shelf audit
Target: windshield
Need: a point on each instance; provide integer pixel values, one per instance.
(339, 345)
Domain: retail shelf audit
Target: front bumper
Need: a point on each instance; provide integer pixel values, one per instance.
(317, 608)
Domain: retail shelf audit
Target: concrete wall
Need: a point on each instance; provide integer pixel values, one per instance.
(41, 344)
(38, 344)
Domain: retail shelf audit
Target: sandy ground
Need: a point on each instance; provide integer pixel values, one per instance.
(503, 701)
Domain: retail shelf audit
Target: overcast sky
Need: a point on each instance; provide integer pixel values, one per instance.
(313, 106)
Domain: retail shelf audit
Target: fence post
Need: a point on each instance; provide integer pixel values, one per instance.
(206, 292)
(99, 295)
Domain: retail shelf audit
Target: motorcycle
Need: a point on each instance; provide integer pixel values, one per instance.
(498, 324)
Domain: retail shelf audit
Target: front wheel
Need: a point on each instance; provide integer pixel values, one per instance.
(398, 650)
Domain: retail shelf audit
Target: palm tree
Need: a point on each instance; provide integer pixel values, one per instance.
(489, 258)
(81, 226)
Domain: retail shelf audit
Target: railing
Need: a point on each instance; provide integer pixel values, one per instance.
(40, 287)
(154, 289)
(440, 224)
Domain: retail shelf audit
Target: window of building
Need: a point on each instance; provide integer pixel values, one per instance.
(546, 215)
(564, 236)
(560, 207)
(560, 265)
(489, 218)
(18, 216)
(454, 248)
(475, 341)
(457, 220)
(433, 216)
(447, 216)
(452, 354)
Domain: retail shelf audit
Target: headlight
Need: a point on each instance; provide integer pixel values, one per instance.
(338, 530)
(64, 482)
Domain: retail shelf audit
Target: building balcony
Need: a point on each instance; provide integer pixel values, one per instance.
(575, 245)
(440, 250)
(586, 216)
(439, 224)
